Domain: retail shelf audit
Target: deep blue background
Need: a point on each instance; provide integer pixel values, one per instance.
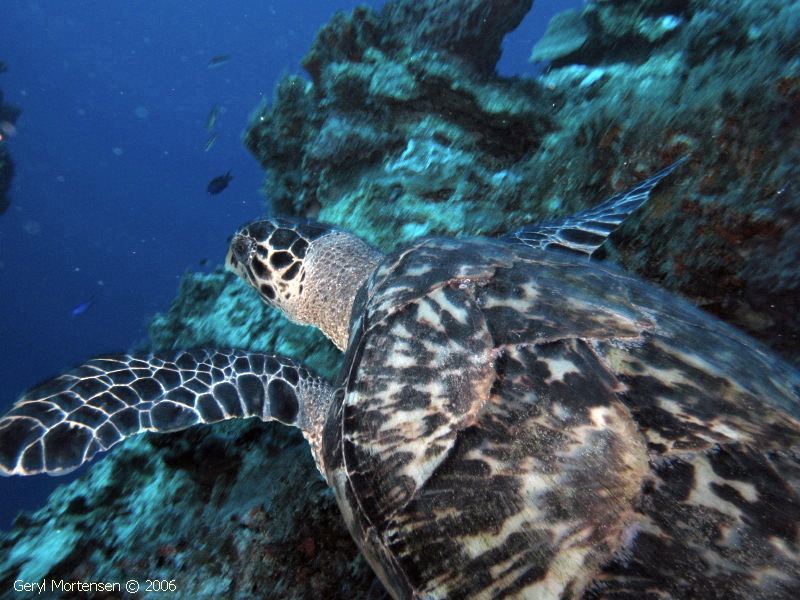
(109, 196)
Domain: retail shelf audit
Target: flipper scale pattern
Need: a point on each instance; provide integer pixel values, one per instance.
(63, 423)
(585, 231)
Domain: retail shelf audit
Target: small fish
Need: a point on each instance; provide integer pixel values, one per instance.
(218, 60)
(211, 119)
(82, 307)
(219, 183)
(210, 142)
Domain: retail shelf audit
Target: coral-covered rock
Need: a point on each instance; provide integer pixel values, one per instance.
(632, 86)
(725, 88)
(566, 34)
(471, 30)
(237, 511)
(404, 115)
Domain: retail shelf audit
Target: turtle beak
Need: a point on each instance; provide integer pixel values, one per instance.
(240, 253)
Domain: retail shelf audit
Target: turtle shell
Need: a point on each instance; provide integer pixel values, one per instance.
(523, 423)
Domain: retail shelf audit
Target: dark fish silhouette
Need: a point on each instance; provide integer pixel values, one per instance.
(218, 60)
(219, 183)
(82, 307)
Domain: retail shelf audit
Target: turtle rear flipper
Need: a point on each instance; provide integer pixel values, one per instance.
(585, 231)
(64, 422)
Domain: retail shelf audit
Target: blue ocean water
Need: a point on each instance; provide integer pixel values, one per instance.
(109, 199)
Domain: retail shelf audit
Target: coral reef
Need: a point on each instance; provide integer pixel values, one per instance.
(239, 511)
(721, 85)
(404, 130)
(470, 30)
(404, 113)
(434, 143)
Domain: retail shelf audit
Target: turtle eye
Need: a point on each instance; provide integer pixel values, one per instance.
(242, 248)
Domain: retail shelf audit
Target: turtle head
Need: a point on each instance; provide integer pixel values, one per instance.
(270, 255)
(311, 271)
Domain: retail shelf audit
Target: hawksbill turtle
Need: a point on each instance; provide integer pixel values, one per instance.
(512, 419)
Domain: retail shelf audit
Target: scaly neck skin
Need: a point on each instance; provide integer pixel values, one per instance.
(336, 266)
(316, 396)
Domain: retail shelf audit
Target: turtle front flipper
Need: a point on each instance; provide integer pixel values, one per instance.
(585, 231)
(62, 423)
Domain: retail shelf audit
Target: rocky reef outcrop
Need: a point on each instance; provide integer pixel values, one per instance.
(721, 82)
(429, 141)
(405, 129)
(422, 133)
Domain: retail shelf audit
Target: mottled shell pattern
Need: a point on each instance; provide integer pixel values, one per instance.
(512, 420)
(521, 423)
